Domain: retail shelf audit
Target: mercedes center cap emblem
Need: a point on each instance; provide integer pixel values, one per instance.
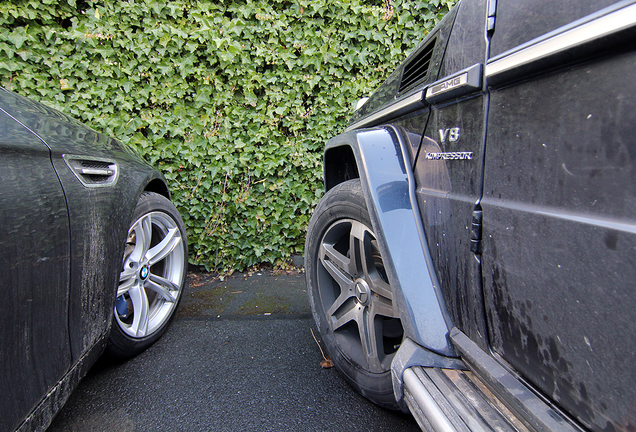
(363, 293)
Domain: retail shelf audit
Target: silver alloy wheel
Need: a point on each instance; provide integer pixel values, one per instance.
(153, 269)
(356, 296)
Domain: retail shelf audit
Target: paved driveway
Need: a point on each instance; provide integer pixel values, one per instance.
(240, 356)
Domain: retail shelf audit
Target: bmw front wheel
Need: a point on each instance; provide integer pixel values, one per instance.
(152, 278)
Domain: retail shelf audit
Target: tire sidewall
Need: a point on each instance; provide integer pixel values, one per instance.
(344, 201)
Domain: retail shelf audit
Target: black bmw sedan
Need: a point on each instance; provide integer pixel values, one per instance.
(92, 251)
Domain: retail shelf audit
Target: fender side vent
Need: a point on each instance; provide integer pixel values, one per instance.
(417, 67)
(93, 172)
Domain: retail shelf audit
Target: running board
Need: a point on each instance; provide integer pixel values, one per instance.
(486, 398)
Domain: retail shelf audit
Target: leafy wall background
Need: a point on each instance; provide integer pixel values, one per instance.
(233, 102)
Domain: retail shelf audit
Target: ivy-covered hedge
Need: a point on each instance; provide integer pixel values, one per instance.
(233, 102)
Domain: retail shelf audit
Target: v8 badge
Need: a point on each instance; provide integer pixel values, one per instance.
(451, 134)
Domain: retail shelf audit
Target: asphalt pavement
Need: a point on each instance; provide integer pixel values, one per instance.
(239, 356)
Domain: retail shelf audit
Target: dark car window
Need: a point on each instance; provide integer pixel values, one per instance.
(520, 21)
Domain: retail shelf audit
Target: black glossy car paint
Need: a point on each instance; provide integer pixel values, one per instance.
(447, 195)
(559, 235)
(545, 280)
(35, 273)
(62, 244)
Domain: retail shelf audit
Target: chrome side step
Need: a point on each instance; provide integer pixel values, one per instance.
(418, 398)
(447, 400)
(486, 398)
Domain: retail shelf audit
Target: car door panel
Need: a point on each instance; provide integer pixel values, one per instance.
(35, 257)
(559, 234)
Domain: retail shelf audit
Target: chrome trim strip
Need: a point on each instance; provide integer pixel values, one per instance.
(398, 106)
(426, 403)
(606, 25)
(98, 171)
(556, 213)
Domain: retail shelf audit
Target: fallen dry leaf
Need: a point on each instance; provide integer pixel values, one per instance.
(326, 363)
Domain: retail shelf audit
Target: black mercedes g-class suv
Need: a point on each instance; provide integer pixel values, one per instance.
(473, 260)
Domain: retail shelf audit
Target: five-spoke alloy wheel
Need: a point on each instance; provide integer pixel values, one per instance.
(152, 278)
(349, 292)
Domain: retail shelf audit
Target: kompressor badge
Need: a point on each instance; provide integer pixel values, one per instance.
(450, 156)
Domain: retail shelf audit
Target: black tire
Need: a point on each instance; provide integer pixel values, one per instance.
(153, 276)
(349, 293)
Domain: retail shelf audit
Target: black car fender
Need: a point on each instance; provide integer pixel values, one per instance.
(377, 157)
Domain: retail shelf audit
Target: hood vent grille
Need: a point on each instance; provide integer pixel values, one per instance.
(417, 68)
(93, 172)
